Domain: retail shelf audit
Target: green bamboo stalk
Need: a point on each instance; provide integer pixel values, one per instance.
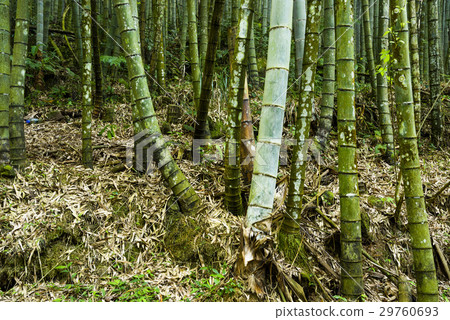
(204, 10)
(55, 11)
(183, 35)
(202, 128)
(144, 117)
(351, 248)
(435, 72)
(441, 26)
(135, 15)
(193, 50)
(252, 62)
(111, 19)
(415, 67)
(159, 45)
(47, 18)
(17, 93)
(384, 111)
(424, 42)
(142, 28)
(424, 267)
(369, 44)
(96, 64)
(232, 175)
(329, 79)
(357, 28)
(376, 36)
(40, 25)
(299, 34)
(265, 17)
(5, 73)
(362, 67)
(447, 44)
(236, 5)
(86, 77)
(77, 30)
(173, 15)
(265, 170)
(291, 223)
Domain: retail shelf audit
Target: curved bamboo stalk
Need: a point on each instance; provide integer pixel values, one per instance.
(144, 117)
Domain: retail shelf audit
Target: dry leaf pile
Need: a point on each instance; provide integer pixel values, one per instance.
(65, 227)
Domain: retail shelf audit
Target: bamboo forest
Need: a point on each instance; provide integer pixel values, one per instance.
(225, 150)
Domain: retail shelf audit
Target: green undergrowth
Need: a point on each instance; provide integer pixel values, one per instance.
(211, 284)
(137, 289)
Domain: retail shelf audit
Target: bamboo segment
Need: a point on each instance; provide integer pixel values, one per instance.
(265, 170)
(415, 68)
(424, 267)
(299, 34)
(5, 74)
(303, 123)
(86, 76)
(202, 127)
(351, 248)
(435, 71)
(204, 9)
(329, 78)
(369, 44)
(193, 51)
(17, 93)
(384, 111)
(252, 62)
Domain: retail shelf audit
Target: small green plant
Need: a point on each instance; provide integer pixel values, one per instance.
(446, 295)
(66, 269)
(389, 200)
(113, 61)
(110, 130)
(137, 289)
(213, 285)
(380, 149)
(339, 298)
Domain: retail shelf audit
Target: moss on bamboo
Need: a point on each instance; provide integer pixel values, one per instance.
(350, 238)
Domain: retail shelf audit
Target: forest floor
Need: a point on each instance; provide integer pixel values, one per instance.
(74, 234)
